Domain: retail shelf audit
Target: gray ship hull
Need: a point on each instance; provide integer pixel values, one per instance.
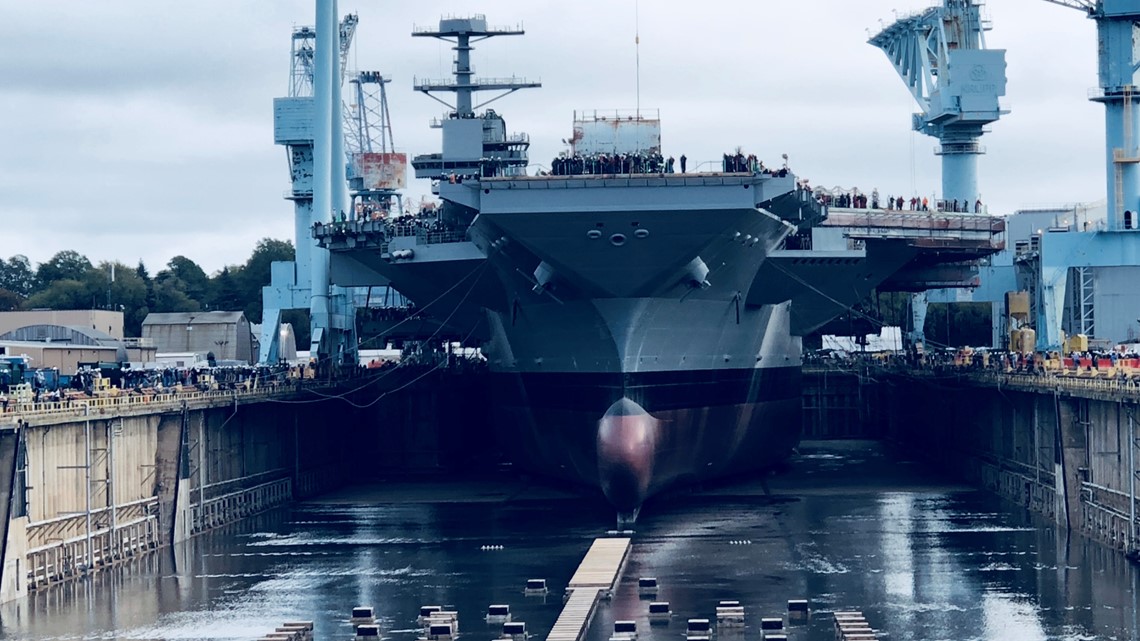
(552, 425)
(635, 395)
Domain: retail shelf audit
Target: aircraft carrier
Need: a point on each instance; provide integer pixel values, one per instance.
(642, 326)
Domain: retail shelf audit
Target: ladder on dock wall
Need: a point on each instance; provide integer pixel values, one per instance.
(1132, 544)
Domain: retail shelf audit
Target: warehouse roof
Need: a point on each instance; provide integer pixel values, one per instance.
(65, 334)
(193, 318)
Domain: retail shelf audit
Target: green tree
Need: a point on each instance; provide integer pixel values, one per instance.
(65, 265)
(193, 279)
(9, 300)
(142, 273)
(17, 276)
(127, 293)
(256, 273)
(226, 292)
(62, 294)
(170, 296)
(959, 324)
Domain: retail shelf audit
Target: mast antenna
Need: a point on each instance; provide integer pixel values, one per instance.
(637, 51)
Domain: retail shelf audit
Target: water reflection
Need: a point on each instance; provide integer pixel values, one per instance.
(928, 562)
(847, 529)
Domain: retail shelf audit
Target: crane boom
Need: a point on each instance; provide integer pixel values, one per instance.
(1088, 6)
(941, 56)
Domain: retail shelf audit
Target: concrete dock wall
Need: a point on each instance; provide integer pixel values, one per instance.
(1063, 451)
(85, 487)
(86, 490)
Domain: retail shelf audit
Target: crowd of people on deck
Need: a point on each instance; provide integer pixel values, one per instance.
(372, 209)
(1121, 362)
(88, 381)
(596, 164)
(415, 224)
(856, 199)
(652, 163)
(426, 219)
(388, 313)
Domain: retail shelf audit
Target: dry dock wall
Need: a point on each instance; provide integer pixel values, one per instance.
(84, 489)
(1064, 449)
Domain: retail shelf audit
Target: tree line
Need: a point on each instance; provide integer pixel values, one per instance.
(69, 280)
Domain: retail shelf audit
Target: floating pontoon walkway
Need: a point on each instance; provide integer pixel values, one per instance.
(597, 574)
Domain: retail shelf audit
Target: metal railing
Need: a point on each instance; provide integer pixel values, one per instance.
(1066, 381)
(68, 558)
(427, 237)
(133, 400)
(231, 507)
(402, 231)
(924, 221)
(1062, 383)
(616, 114)
(514, 139)
(450, 83)
(66, 526)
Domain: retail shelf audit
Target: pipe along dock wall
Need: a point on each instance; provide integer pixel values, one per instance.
(1064, 449)
(81, 491)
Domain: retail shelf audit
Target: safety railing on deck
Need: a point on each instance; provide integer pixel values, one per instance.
(915, 220)
(1067, 383)
(427, 237)
(427, 83)
(1040, 380)
(130, 400)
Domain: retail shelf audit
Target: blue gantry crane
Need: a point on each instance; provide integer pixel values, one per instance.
(1116, 23)
(308, 122)
(940, 54)
(1065, 257)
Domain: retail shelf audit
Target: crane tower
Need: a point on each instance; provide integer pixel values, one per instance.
(1116, 24)
(318, 186)
(941, 55)
(376, 171)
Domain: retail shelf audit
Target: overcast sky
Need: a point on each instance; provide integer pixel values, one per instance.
(142, 129)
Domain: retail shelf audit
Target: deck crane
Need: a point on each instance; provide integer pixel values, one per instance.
(376, 171)
(294, 285)
(1116, 22)
(941, 55)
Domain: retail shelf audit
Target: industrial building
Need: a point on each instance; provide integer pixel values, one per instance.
(62, 356)
(226, 334)
(108, 322)
(63, 339)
